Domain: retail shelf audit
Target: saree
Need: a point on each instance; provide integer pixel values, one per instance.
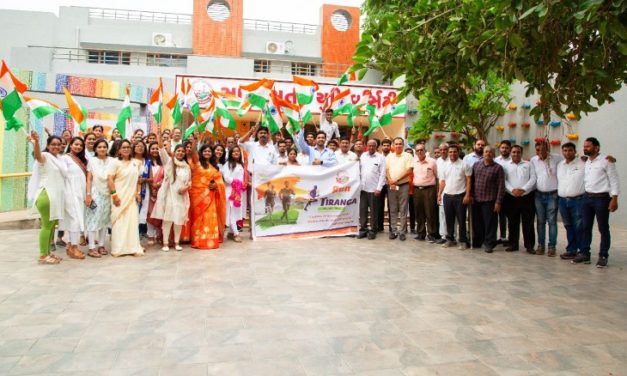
(157, 179)
(125, 218)
(208, 208)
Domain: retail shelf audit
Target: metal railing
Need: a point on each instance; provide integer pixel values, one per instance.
(285, 27)
(116, 57)
(299, 68)
(140, 15)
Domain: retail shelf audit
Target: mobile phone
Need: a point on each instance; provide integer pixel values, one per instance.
(93, 205)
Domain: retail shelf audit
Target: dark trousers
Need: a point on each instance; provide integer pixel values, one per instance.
(503, 225)
(520, 210)
(454, 208)
(570, 210)
(426, 209)
(380, 212)
(412, 213)
(367, 202)
(596, 207)
(477, 228)
(487, 224)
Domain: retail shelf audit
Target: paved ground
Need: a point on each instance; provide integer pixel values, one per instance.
(320, 307)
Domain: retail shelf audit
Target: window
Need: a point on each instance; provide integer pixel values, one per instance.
(166, 60)
(262, 66)
(108, 57)
(304, 69)
(341, 20)
(218, 10)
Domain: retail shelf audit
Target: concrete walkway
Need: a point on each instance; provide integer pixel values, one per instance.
(321, 307)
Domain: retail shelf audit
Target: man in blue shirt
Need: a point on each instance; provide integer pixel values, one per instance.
(318, 154)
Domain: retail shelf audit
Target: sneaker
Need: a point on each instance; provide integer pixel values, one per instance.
(551, 252)
(440, 241)
(420, 237)
(568, 256)
(392, 235)
(430, 239)
(165, 249)
(539, 250)
(602, 263)
(402, 237)
(61, 243)
(178, 247)
(581, 258)
(511, 249)
(449, 244)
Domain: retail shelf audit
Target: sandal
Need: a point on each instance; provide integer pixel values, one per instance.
(102, 251)
(49, 260)
(83, 241)
(151, 241)
(93, 253)
(51, 254)
(237, 239)
(75, 253)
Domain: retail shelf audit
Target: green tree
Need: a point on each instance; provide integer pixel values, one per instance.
(571, 53)
(479, 107)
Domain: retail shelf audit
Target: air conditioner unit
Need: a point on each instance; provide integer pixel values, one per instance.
(162, 39)
(275, 48)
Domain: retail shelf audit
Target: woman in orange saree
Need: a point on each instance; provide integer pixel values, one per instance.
(208, 200)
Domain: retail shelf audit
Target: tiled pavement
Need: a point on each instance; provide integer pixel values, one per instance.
(318, 307)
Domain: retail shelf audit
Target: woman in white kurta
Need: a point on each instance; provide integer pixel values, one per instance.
(45, 188)
(123, 183)
(172, 204)
(235, 187)
(73, 221)
(139, 154)
(154, 182)
(98, 199)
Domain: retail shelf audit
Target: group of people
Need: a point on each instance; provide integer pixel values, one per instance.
(172, 190)
(501, 193)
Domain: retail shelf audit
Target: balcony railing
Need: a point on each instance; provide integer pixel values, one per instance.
(140, 15)
(116, 57)
(285, 27)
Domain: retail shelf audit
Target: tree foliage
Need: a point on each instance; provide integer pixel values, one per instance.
(485, 101)
(571, 53)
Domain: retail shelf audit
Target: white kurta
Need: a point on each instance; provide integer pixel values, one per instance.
(229, 176)
(143, 210)
(50, 177)
(172, 206)
(74, 193)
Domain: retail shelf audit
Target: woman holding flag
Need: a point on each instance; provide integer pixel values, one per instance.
(207, 195)
(46, 189)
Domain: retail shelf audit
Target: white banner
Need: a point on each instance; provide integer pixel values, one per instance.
(305, 201)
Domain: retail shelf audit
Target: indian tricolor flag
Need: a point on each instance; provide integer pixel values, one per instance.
(10, 97)
(384, 116)
(206, 118)
(125, 115)
(291, 111)
(191, 101)
(77, 112)
(341, 102)
(272, 117)
(305, 90)
(222, 113)
(258, 95)
(41, 108)
(175, 109)
(156, 102)
(346, 77)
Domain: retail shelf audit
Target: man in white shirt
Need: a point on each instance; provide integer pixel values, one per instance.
(260, 152)
(476, 155)
(343, 154)
(601, 198)
(328, 126)
(455, 193)
(519, 205)
(372, 166)
(176, 138)
(398, 166)
(545, 166)
(470, 160)
(386, 145)
(504, 150)
(570, 190)
(441, 162)
(281, 157)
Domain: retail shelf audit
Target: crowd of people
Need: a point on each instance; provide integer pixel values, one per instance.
(173, 191)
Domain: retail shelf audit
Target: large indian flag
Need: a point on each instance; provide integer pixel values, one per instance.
(125, 115)
(341, 103)
(258, 95)
(223, 114)
(175, 109)
(305, 90)
(10, 97)
(77, 112)
(41, 108)
(291, 111)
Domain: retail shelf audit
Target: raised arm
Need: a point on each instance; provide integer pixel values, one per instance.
(248, 134)
(34, 138)
(194, 151)
(302, 144)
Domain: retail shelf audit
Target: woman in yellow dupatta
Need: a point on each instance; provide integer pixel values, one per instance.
(123, 182)
(208, 202)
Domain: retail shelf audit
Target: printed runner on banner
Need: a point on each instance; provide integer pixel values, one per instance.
(305, 201)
